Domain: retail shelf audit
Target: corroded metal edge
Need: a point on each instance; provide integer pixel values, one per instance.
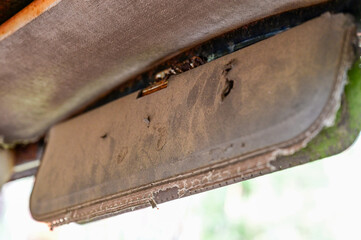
(25, 16)
(217, 175)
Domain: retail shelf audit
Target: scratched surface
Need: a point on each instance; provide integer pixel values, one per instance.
(119, 156)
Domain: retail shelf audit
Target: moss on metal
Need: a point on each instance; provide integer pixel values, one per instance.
(335, 139)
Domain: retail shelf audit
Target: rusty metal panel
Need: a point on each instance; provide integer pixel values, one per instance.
(214, 125)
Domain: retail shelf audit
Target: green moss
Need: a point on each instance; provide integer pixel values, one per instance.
(353, 95)
(347, 126)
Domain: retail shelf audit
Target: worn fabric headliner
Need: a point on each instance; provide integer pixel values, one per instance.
(79, 50)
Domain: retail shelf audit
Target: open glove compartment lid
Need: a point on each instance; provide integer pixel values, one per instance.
(217, 124)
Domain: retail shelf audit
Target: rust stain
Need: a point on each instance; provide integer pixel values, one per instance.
(154, 87)
(27, 153)
(161, 78)
(25, 16)
(9, 8)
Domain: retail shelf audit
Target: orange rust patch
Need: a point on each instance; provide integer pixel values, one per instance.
(25, 16)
